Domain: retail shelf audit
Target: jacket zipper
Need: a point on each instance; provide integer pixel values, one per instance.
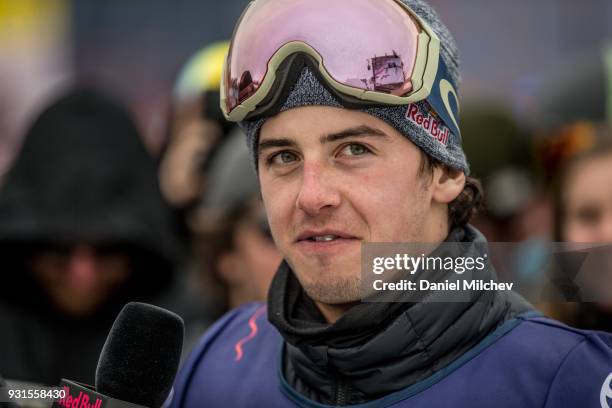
(342, 390)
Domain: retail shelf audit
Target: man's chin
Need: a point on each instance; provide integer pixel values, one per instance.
(322, 264)
(332, 289)
(339, 296)
(329, 279)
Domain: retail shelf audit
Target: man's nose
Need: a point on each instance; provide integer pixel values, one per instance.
(318, 190)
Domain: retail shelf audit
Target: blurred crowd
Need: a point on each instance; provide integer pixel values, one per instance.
(99, 206)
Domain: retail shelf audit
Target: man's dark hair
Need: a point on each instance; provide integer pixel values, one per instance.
(467, 204)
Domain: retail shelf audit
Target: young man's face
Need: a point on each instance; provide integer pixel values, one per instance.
(333, 178)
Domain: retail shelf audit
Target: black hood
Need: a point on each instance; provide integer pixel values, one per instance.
(84, 175)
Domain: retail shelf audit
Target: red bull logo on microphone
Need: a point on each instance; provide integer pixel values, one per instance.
(80, 400)
(428, 122)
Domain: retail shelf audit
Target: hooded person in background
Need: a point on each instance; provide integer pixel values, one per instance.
(83, 230)
(343, 162)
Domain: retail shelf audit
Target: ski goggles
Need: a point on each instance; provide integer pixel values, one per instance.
(368, 52)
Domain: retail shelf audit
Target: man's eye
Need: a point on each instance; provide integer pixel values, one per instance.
(355, 149)
(284, 157)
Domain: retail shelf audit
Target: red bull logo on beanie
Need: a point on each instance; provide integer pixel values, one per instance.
(428, 122)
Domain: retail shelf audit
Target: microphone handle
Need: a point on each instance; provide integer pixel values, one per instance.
(80, 395)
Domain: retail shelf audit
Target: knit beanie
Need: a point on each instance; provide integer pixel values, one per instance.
(414, 121)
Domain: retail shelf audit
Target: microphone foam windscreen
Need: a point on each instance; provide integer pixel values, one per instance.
(141, 355)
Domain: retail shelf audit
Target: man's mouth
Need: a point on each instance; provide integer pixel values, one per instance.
(326, 241)
(318, 239)
(323, 238)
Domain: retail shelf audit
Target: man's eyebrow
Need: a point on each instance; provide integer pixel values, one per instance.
(359, 131)
(270, 143)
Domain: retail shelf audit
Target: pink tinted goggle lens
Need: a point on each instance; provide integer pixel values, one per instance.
(364, 44)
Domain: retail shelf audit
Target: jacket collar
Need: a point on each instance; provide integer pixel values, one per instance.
(378, 348)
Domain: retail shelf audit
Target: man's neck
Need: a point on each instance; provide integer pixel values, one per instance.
(332, 313)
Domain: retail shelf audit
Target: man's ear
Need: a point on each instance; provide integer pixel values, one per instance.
(447, 184)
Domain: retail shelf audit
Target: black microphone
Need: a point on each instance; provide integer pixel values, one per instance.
(138, 362)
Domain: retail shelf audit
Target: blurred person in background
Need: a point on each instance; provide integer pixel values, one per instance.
(196, 125)
(501, 156)
(574, 145)
(516, 206)
(233, 240)
(583, 214)
(207, 176)
(83, 230)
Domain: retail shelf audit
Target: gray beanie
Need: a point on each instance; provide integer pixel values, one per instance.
(308, 91)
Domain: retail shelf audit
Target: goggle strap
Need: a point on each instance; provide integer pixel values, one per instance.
(287, 75)
(444, 99)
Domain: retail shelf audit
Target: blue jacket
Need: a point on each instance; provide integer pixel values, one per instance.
(528, 361)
